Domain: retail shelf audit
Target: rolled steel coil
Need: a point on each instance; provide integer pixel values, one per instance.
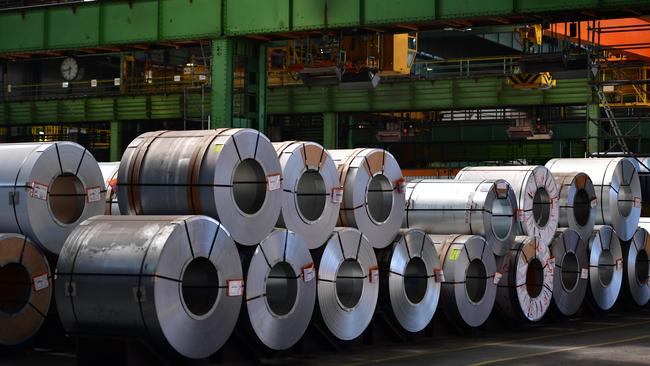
(485, 208)
(47, 189)
(109, 172)
(577, 202)
(25, 291)
(174, 281)
(373, 193)
(570, 280)
(410, 277)
(617, 186)
(525, 280)
(536, 192)
(280, 289)
(468, 289)
(230, 174)
(312, 195)
(348, 283)
(605, 267)
(636, 272)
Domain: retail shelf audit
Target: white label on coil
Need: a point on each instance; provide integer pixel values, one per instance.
(41, 282)
(584, 273)
(438, 275)
(39, 191)
(93, 194)
(497, 278)
(400, 184)
(520, 215)
(637, 201)
(373, 274)
(273, 182)
(308, 272)
(619, 264)
(235, 287)
(337, 195)
(594, 202)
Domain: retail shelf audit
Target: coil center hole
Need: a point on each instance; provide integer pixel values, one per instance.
(379, 198)
(476, 280)
(311, 195)
(541, 207)
(249, 186)
(642, 267)
(349, 283)
(200, 286)
(281, 288)
(570, 271)
(415, 280)
(625, 200)
(581, 207)
(15, 288)
(501, 218)
(534, 278)
(67, 198)
(606, 267)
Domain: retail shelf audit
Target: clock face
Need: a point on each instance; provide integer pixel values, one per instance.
(69, 68)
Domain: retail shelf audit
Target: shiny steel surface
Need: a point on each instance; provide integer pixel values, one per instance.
(537, 196)
(230, 174)
(109, 172)
(636, 272)
(617, 186)
(373, 193)
(442, 206)
(164, 279)
(47, 189)
(578, 202)
(571, 277)
(605, 267)
(309, 175)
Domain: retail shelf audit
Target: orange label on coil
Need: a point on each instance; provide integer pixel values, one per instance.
(400, 185)
(337, 195)
(373, 274)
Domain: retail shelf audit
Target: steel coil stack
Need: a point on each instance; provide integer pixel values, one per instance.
(25, 289)
(175, 281)
(232, 175)
(605, 267)
(484, 208)
(570, 279)
(636, 272)
(617, 186)
(109, 172)
(525, 280)
(578, 202)
(536, 192)
(468, 289)
(410, 277)
(312, 195)
(348, 283)
(280, 291)
(373, 193)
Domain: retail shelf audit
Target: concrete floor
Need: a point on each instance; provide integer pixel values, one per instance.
(612, 339)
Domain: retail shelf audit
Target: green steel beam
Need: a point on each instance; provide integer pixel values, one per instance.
(485, 92)
(261, 89)
(222, 78)
(330, 135)
(592, 127)
(105, 23)
(116, 141)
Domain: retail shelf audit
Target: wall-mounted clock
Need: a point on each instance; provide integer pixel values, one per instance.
(69, 68)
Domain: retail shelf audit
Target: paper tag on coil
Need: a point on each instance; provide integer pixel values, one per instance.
(497, 278)
(400, 185)
(594, 202)
(217, 148)
(308, 272)
(637, 201)
(373, 274)
(619, 264)
(113, 184)
(39, 191)
(438, 275)
(235, 288)
(455, 253)
(93, 194)
(337, 195)
(273, 182)
(520, 215)
(584, 273)
(41, 282)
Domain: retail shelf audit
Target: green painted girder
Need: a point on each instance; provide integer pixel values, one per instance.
(99, 109)
(484, 92)
(96, 24)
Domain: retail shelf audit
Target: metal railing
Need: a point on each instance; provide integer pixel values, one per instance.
(467, 67)
(24, 4)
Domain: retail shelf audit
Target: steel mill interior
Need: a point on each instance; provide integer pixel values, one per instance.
(324, 182)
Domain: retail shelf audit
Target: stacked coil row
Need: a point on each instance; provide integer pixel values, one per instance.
(224, 232)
